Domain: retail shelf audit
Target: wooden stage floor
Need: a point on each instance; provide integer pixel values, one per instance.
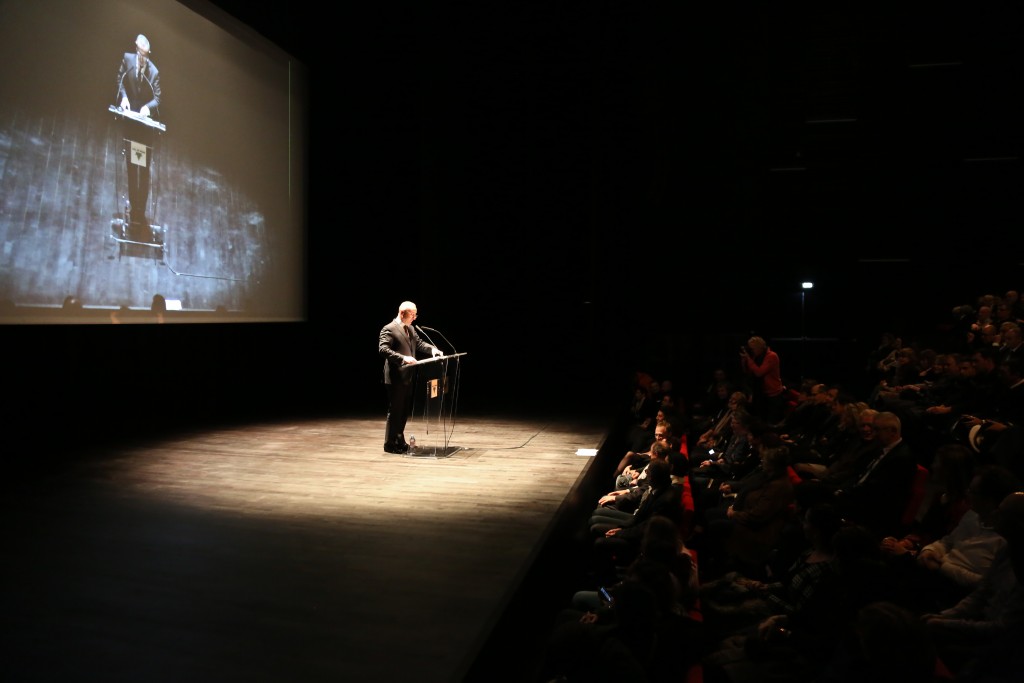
(294, 550)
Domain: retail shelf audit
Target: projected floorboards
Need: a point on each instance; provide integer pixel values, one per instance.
(61, 179)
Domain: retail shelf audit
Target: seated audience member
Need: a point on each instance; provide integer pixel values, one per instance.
(809, 417)
(853, 456)
(661, 543)
(798, 647)
(929, 409)
(734, 600)
(944, 504)
(1012, 342)
(744, 532)
(617, 540)
(886, 643)
(640, 435)
(625, 641)
(710, 399)
(712, 405)
(906, 370)
(821, 445)
(719, 431)
(709, 493)
(620, 502)
(675, 413)
(952, 566)
(635, 461)
(876, 497)
(735, 460)
(642, 406)
(997, 435)
(973, 635)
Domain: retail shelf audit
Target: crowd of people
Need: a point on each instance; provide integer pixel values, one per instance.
(761, 531)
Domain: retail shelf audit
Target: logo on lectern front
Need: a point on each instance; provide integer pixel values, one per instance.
(139, 154)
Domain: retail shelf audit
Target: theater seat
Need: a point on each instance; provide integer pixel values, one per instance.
(918, 488)
(688, 510)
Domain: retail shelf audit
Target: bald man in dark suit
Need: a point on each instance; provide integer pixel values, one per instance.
(400, 346)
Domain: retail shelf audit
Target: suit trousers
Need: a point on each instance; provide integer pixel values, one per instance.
(400, 405)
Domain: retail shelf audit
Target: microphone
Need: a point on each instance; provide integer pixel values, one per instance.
(120, 87)
(442, 337)
(427, 336)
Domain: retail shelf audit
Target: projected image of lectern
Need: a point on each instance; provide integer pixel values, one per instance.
(137, 108)
(137, 186)
(436, 398)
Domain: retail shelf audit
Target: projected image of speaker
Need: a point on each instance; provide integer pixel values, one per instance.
(149, 147)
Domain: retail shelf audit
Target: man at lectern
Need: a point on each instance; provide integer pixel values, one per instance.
(400, 346)
(138, 90)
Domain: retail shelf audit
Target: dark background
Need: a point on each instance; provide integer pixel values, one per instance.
(575, 190)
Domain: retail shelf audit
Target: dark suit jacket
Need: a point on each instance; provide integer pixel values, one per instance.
(667, 503)
(878, 503)
(140, 92)
(394, 344)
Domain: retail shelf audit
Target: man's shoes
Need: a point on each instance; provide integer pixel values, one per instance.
(395, 448)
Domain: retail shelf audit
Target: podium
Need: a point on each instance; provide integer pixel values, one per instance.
(436, 398)
(135, 189)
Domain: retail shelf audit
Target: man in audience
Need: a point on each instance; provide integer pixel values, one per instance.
(944, 571)
(981, 635)
(876, 496)
(617, 541)
(853, 458)
(1012, 342)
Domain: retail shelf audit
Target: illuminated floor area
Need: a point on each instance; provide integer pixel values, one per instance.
(282, 551)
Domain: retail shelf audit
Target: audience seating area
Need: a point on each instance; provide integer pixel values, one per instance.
(928, 403)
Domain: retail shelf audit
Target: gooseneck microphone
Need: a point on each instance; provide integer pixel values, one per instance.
(425, 335)
(431, 340)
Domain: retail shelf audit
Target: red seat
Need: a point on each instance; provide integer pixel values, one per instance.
(918, 488)
(688, 510)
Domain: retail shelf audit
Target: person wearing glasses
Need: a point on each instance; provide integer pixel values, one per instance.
(138, 90)
(876, 496)
(400, 346)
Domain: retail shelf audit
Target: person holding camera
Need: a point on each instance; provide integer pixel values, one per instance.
(763, 370)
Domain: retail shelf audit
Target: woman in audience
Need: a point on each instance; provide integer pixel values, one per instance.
(743, 531)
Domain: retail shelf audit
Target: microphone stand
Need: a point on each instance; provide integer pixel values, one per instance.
(420, 330)
(442, 337)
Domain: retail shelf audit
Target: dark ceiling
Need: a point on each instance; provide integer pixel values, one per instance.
(876, 151)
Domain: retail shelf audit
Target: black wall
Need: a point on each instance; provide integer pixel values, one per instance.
(573, 191)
